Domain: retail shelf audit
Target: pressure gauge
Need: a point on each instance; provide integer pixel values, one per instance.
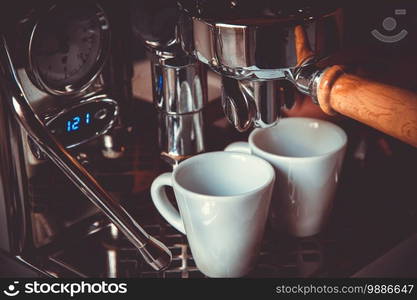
(68, 47)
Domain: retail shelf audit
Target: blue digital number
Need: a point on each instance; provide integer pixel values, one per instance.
(87, 118)
(75, 123)
(75, 126)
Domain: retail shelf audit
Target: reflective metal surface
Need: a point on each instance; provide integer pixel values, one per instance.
(264, 49)
(179, 81)
(155, 23)
(279, 256)
(153, 251)
(307, 80)
(179, 95)
(180, 135)
(13, 212)
(113, 147)
(35, 212)
(258, 44)
(178, 86)
(95, 99)
(98, 63)
(30, 172)
(260, 99)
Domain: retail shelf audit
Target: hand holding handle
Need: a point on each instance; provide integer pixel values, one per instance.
(387, 108)
(162, 203)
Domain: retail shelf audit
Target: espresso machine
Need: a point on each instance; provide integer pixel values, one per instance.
(66, 97)
(66, 112)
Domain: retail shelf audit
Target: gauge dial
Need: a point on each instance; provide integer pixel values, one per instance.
(67, 47)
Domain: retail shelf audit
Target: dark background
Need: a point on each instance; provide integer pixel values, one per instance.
(392, 178)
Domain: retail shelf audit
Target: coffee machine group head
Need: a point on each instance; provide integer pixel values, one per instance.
(266, 50)
(258, 48)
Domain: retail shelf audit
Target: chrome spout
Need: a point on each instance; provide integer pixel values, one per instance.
(179, 95)
(246, 103)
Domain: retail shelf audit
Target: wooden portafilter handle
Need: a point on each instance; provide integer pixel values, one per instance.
(389, 109)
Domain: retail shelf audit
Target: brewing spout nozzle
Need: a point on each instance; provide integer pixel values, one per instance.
(246, 103)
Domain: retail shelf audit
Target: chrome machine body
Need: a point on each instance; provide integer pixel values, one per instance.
(66, 84)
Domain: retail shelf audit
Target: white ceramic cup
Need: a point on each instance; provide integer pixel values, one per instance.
(307, 155)
(223, 199)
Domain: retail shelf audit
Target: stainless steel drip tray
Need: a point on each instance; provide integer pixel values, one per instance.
(100, 255)
(339, 251)
(103, 255)
(88, 257)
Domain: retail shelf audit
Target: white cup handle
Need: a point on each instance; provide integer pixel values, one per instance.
(162, 203)
(242, 147)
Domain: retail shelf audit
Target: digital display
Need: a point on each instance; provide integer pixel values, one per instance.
(77, 122)
(83, 122)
